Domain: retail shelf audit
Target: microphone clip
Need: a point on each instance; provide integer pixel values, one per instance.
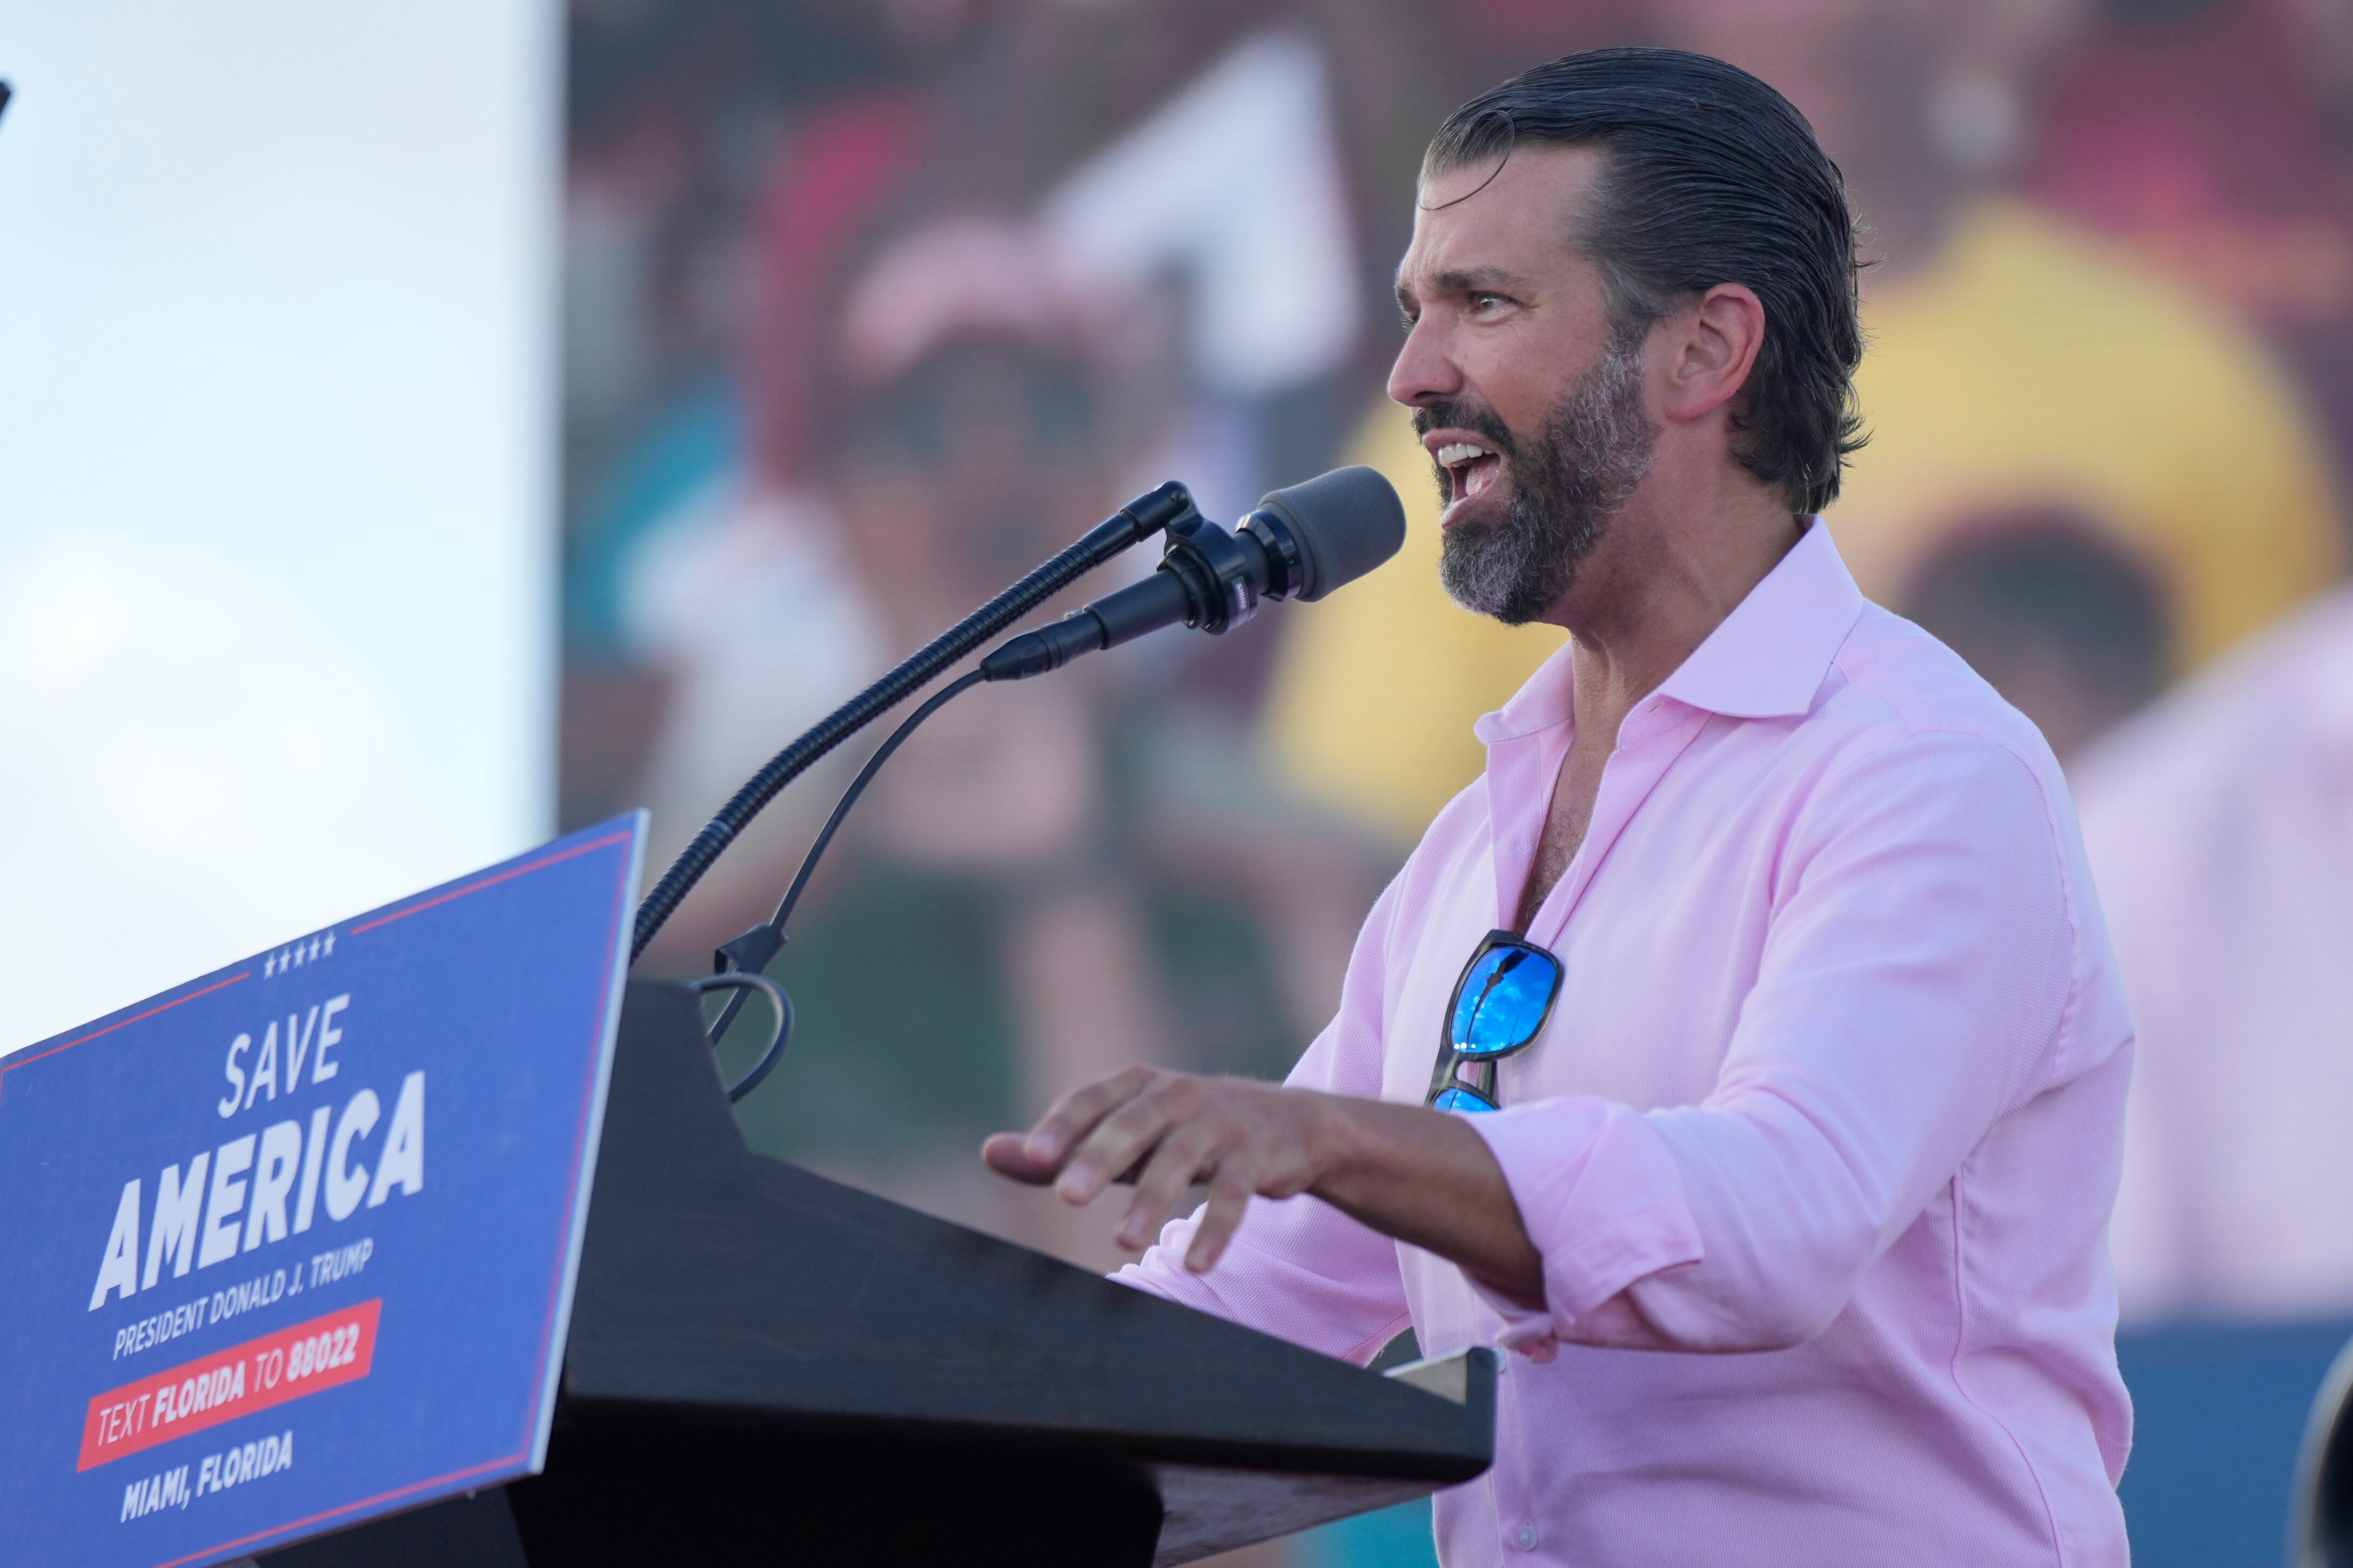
(1220, 572)
(1208, 579)
(1226, 575)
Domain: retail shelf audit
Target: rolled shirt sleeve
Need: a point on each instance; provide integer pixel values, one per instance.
(1913, 986)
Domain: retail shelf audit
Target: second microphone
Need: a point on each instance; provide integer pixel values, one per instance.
(1300, 543)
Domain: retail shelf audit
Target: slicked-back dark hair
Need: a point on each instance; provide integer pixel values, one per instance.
(1708, 176)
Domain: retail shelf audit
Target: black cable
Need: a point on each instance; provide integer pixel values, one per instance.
(1139, 520)
(741, 982)
(775, 929)
(865, 777)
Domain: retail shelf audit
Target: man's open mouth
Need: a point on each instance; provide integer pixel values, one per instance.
(1471, 467)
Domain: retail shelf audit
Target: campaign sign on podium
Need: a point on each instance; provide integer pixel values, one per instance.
(293, 1245)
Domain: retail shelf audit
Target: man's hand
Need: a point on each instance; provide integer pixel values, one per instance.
(1419, 1175)
(1165, 1130)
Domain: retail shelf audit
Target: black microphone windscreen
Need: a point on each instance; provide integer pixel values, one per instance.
(1346, 522)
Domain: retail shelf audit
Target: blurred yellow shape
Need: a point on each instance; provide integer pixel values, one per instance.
(2034, 364)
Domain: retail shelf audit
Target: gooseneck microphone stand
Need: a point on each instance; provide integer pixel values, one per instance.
(740, 964)
(1132, 524)
(1301, 542)
(750, 953)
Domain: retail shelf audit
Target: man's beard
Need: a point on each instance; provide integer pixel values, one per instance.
(1595, 449)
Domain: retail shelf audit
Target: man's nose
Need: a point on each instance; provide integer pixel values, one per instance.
(1424, 372)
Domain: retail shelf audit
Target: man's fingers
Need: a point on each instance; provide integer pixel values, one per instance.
(1118, 1142)
(1170, 1170)
(1007, 1154)
(1161, 1131)
(1074, 1115)
(1230, 1195)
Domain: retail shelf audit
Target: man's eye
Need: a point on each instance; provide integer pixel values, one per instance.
(1480, 302)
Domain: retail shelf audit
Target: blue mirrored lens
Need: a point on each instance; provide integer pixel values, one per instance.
(1459, 1100)
(1503, 1000)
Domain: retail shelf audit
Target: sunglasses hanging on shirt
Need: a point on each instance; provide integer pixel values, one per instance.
(1499, 1007)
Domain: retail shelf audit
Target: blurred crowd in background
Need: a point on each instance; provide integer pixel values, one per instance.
(873, 304)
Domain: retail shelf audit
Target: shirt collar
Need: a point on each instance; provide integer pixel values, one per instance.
(1766, 660)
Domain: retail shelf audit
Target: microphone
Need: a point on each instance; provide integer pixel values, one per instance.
(1139, 520)
(1300, 543)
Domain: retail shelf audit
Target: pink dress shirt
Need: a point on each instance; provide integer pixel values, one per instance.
(1833, 1095)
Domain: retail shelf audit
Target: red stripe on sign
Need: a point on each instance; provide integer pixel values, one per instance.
(334, 1348)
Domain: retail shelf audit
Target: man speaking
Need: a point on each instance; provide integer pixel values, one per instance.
(1743, 1049)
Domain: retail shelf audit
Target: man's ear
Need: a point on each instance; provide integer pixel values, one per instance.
(1715, 341)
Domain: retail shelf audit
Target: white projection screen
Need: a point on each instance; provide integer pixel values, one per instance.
(276, 511)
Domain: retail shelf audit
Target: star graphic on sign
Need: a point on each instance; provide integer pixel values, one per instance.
(314, 950)
(331, 944)
(270, 966)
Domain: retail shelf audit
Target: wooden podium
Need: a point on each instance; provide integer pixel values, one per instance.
(765, 1366)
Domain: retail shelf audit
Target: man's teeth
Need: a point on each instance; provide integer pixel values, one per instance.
(1457, 452)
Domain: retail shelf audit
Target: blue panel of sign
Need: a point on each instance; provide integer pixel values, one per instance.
(293, 1245)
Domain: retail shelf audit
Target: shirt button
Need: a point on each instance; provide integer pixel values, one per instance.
(1526, 1538)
